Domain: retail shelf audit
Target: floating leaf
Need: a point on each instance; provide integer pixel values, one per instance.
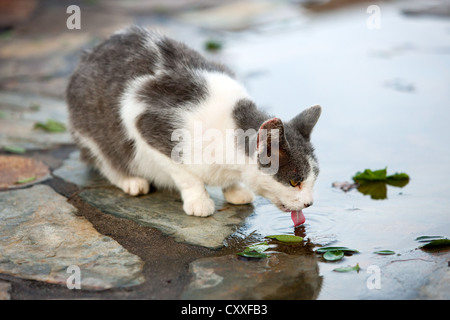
(384, 252)
(398, 176)
(259, 247)
(436, 244)
(369, 175)
(428, 238)
(14, 149)
(345, 249)
(348, 269)
(51, 126)
(333, 255)
(253, 254)
(286, 238)
(396, 179)
(26, 180)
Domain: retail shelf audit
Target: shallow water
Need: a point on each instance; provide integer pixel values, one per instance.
(385, 97)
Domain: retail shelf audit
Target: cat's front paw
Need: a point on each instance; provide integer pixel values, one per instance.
(202, 207)
(135, 186)
(238, 195)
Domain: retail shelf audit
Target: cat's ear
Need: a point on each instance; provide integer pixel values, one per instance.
(306, 120)
(271, 143)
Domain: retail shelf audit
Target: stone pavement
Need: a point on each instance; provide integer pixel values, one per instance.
(65, 217)
(144, 247)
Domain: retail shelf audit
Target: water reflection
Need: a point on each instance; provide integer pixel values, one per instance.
(377, 190)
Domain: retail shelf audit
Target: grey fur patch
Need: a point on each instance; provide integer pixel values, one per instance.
(96, 86)
(295, 147)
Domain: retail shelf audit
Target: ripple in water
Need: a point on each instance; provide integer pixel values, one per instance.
(269, 220)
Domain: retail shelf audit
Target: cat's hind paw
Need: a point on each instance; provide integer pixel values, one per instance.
(135, 186)
(238, 195)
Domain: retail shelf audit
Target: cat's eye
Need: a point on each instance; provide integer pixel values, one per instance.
(294, 183)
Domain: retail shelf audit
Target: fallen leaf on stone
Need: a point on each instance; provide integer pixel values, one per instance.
(51, 126)
(18, 171)
(25, 180)
(14, 149)
(213, 45)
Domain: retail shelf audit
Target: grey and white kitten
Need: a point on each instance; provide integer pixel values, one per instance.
(131, 93)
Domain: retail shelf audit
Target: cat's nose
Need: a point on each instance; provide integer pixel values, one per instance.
(309, 204)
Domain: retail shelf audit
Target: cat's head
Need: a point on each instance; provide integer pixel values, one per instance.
(287, 165)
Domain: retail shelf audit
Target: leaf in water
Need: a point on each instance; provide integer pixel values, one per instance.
(348, 269)
(259, 247)
(428, 238)
(384, 252)
(439, 243)
(333, 255)
(14, 149)
(375, 189)
(252, 254)
(369, 175)
(344, 249)
(398, 176)
(25, 180)
(51, 126)
(285, 238)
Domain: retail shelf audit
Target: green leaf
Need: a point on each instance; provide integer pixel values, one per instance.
(333, 255)
(440, 243)
(25, 180)
(369, 175)
(252, 254)
(285, 238)
(348, 269)
(428, 238)
(398, 176)
(259, 247)
(345, 249)
(384, 252)
(14, 149)
(213, 45)
(51, 126)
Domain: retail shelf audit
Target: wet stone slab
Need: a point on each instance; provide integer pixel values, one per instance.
(281, 276)
(75, 171)
(164, 211)
(40, 237)
(20, 112)
(160, 210)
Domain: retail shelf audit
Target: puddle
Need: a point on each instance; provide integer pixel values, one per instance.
(364, 124)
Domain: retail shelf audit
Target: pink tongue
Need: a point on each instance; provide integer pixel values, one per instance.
(298, 218)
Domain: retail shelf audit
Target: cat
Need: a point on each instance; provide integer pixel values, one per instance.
(131, 93)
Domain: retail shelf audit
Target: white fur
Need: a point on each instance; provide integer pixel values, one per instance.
(214, 113)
